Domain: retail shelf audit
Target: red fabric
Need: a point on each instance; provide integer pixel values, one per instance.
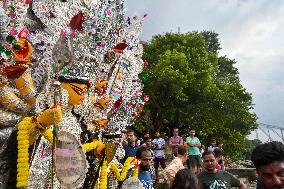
(218, 167)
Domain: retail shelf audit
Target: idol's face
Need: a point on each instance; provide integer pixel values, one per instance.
(77, 92)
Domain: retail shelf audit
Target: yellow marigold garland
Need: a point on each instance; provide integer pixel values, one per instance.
(23, 152)
(103, 176)
(96, 145)
(48, 135)
(90, 146)
(121, 176)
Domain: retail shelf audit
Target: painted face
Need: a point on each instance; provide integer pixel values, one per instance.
(272, 175)
(77, 92)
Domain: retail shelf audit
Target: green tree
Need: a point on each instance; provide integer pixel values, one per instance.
(190, 86)
(250, 145)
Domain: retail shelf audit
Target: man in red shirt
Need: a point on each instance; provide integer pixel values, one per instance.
(175, 142)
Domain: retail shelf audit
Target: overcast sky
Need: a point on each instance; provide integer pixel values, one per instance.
(250, 31)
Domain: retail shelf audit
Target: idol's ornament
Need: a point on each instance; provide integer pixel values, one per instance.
(69, 86)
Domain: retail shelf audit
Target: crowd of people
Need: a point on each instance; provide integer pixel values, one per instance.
(194, 167)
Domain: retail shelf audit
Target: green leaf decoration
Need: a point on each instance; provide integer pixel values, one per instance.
(2, 49)
(53, 67)
(8, 53)
(16, 47)
(145, 77)
(64, 72)
(10, 8)
(10, 38)
(62, 62)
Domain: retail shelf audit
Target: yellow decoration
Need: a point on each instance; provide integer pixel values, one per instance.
(121, 176)
(135, 171)
(23, 56)
(101, 86)
(48, 135)
(96, 145)
(110, 150)
(34, 133)
(100, 123)
(75, 98)
(23, 152)
(10, 101)
(102, 102)
(49, 117)
(26, 87)
(103, 176)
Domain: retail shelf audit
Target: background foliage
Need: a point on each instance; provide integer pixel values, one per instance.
(189, 85)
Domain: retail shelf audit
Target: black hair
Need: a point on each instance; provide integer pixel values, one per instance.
(181, 150)
(147, 138)
(132, 131)
(218, 143)
(192, 129)
(140, 151)
(217, 152)
(67, 79)
(185, 179)
(206, 153)
(266, 153)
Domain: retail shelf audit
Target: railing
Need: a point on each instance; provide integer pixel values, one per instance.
(268, 130)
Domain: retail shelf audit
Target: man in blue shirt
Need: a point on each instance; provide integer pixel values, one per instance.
(131, 148)
(144, 175)
(193, 144)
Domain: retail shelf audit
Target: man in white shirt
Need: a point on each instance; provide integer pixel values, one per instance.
(159, 155)
(213, 145)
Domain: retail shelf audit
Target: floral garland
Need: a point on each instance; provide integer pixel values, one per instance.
(121, 176)
(103, 176)
(96, 145)
(48, 135)
(23, 151)
(90, 146)
(135, 171)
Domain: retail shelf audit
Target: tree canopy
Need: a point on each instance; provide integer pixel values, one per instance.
(189, 85)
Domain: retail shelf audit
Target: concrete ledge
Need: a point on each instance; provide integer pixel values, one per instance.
(248, 173)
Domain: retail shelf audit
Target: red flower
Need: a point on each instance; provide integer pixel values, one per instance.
(146, 98)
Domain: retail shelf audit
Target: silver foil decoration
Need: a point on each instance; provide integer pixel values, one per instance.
(8, 118)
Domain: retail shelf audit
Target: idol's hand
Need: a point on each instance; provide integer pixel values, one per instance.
(49, 117)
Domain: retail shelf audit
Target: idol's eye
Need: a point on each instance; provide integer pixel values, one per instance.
(78, 90)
